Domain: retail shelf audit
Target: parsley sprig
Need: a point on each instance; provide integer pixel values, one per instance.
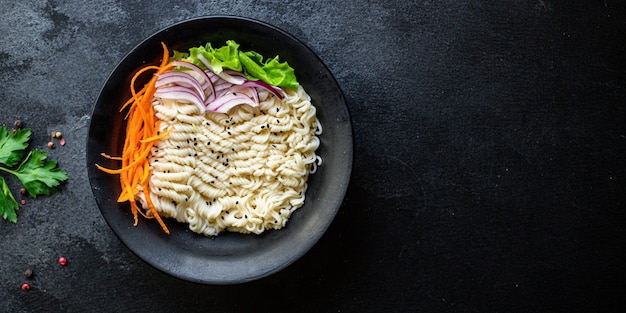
(38, 175)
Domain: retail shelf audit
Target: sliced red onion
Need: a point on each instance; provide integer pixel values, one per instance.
(248, 91)
(233, 79)
(180, 93)
(196, 69)
(238, 80)
(228, 101)
(221, 87)
(222, 84)
(261, 84)
(212, 75)
(235, 73)
(181, 79)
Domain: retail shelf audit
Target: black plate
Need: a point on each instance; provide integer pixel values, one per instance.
(230, 257)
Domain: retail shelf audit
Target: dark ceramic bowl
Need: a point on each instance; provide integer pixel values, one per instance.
(229, 258)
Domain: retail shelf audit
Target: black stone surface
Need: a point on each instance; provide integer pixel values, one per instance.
(489, 170)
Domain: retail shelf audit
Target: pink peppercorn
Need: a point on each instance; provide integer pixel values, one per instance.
(62, 261)
(25, 286)
(23, 202)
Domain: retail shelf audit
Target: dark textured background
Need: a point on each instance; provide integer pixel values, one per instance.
(489, 170)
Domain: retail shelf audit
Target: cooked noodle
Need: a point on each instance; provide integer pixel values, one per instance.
(245, 171)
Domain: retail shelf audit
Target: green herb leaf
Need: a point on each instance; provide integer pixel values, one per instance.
(8, 205)
(38, 175)
(12, 147)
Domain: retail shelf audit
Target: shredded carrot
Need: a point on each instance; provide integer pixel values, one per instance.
(110, 157)
(141, 133)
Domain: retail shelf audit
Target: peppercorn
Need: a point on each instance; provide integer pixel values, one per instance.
(23, 202)
(62, 261)
(28, 273)
(25, 286)
(23, 191)
(18, 124)
(51, 145)
(57, 135)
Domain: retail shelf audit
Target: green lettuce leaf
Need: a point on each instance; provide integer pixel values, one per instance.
(272, 71)
(251, 63)
(225, 57)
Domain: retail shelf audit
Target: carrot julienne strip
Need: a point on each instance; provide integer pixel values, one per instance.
(141, 133)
